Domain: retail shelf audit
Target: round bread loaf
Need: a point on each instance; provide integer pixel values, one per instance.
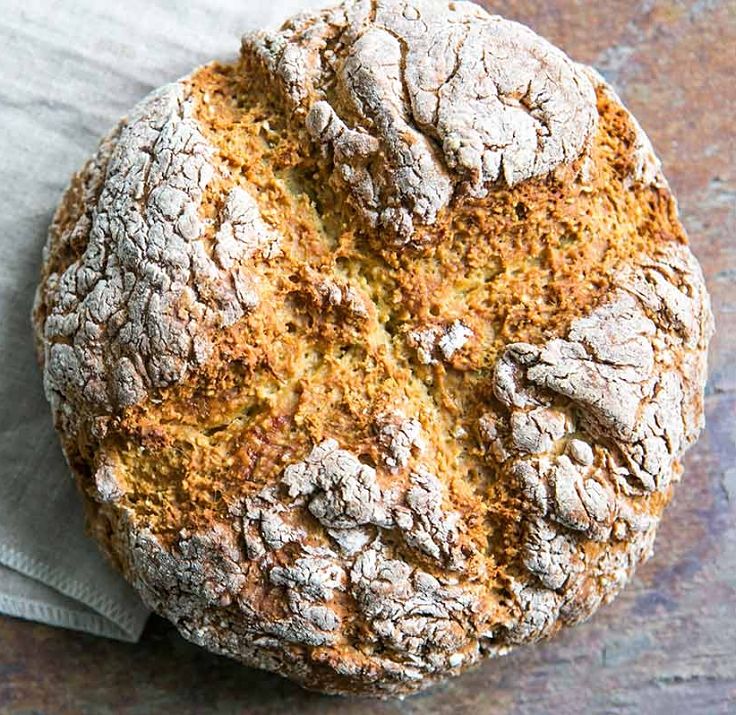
(376, 351)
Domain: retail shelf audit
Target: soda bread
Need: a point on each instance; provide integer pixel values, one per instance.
(375, 352)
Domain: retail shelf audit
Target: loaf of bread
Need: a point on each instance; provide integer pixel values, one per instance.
(376, 351)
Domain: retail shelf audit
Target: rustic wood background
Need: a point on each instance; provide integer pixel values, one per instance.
(668, 644)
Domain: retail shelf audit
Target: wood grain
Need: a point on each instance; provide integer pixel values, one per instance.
(668, 643)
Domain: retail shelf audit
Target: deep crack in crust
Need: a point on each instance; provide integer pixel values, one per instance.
(360, 385)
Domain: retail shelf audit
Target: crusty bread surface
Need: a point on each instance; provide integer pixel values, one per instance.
(376, 351)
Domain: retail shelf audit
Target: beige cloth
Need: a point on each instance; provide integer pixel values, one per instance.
(68, 71)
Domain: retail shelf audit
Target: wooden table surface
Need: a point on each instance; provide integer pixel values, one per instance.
(668, 643)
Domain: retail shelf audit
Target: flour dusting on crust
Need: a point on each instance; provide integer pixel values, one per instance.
(422, 100)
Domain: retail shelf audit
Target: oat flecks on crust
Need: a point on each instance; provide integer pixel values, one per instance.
(422, 99)
(358, 461)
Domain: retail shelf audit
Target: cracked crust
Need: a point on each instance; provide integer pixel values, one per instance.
(417, 102)
(128, 316)
(376, 352)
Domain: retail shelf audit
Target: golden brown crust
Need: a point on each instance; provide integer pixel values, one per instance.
(360, 462)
